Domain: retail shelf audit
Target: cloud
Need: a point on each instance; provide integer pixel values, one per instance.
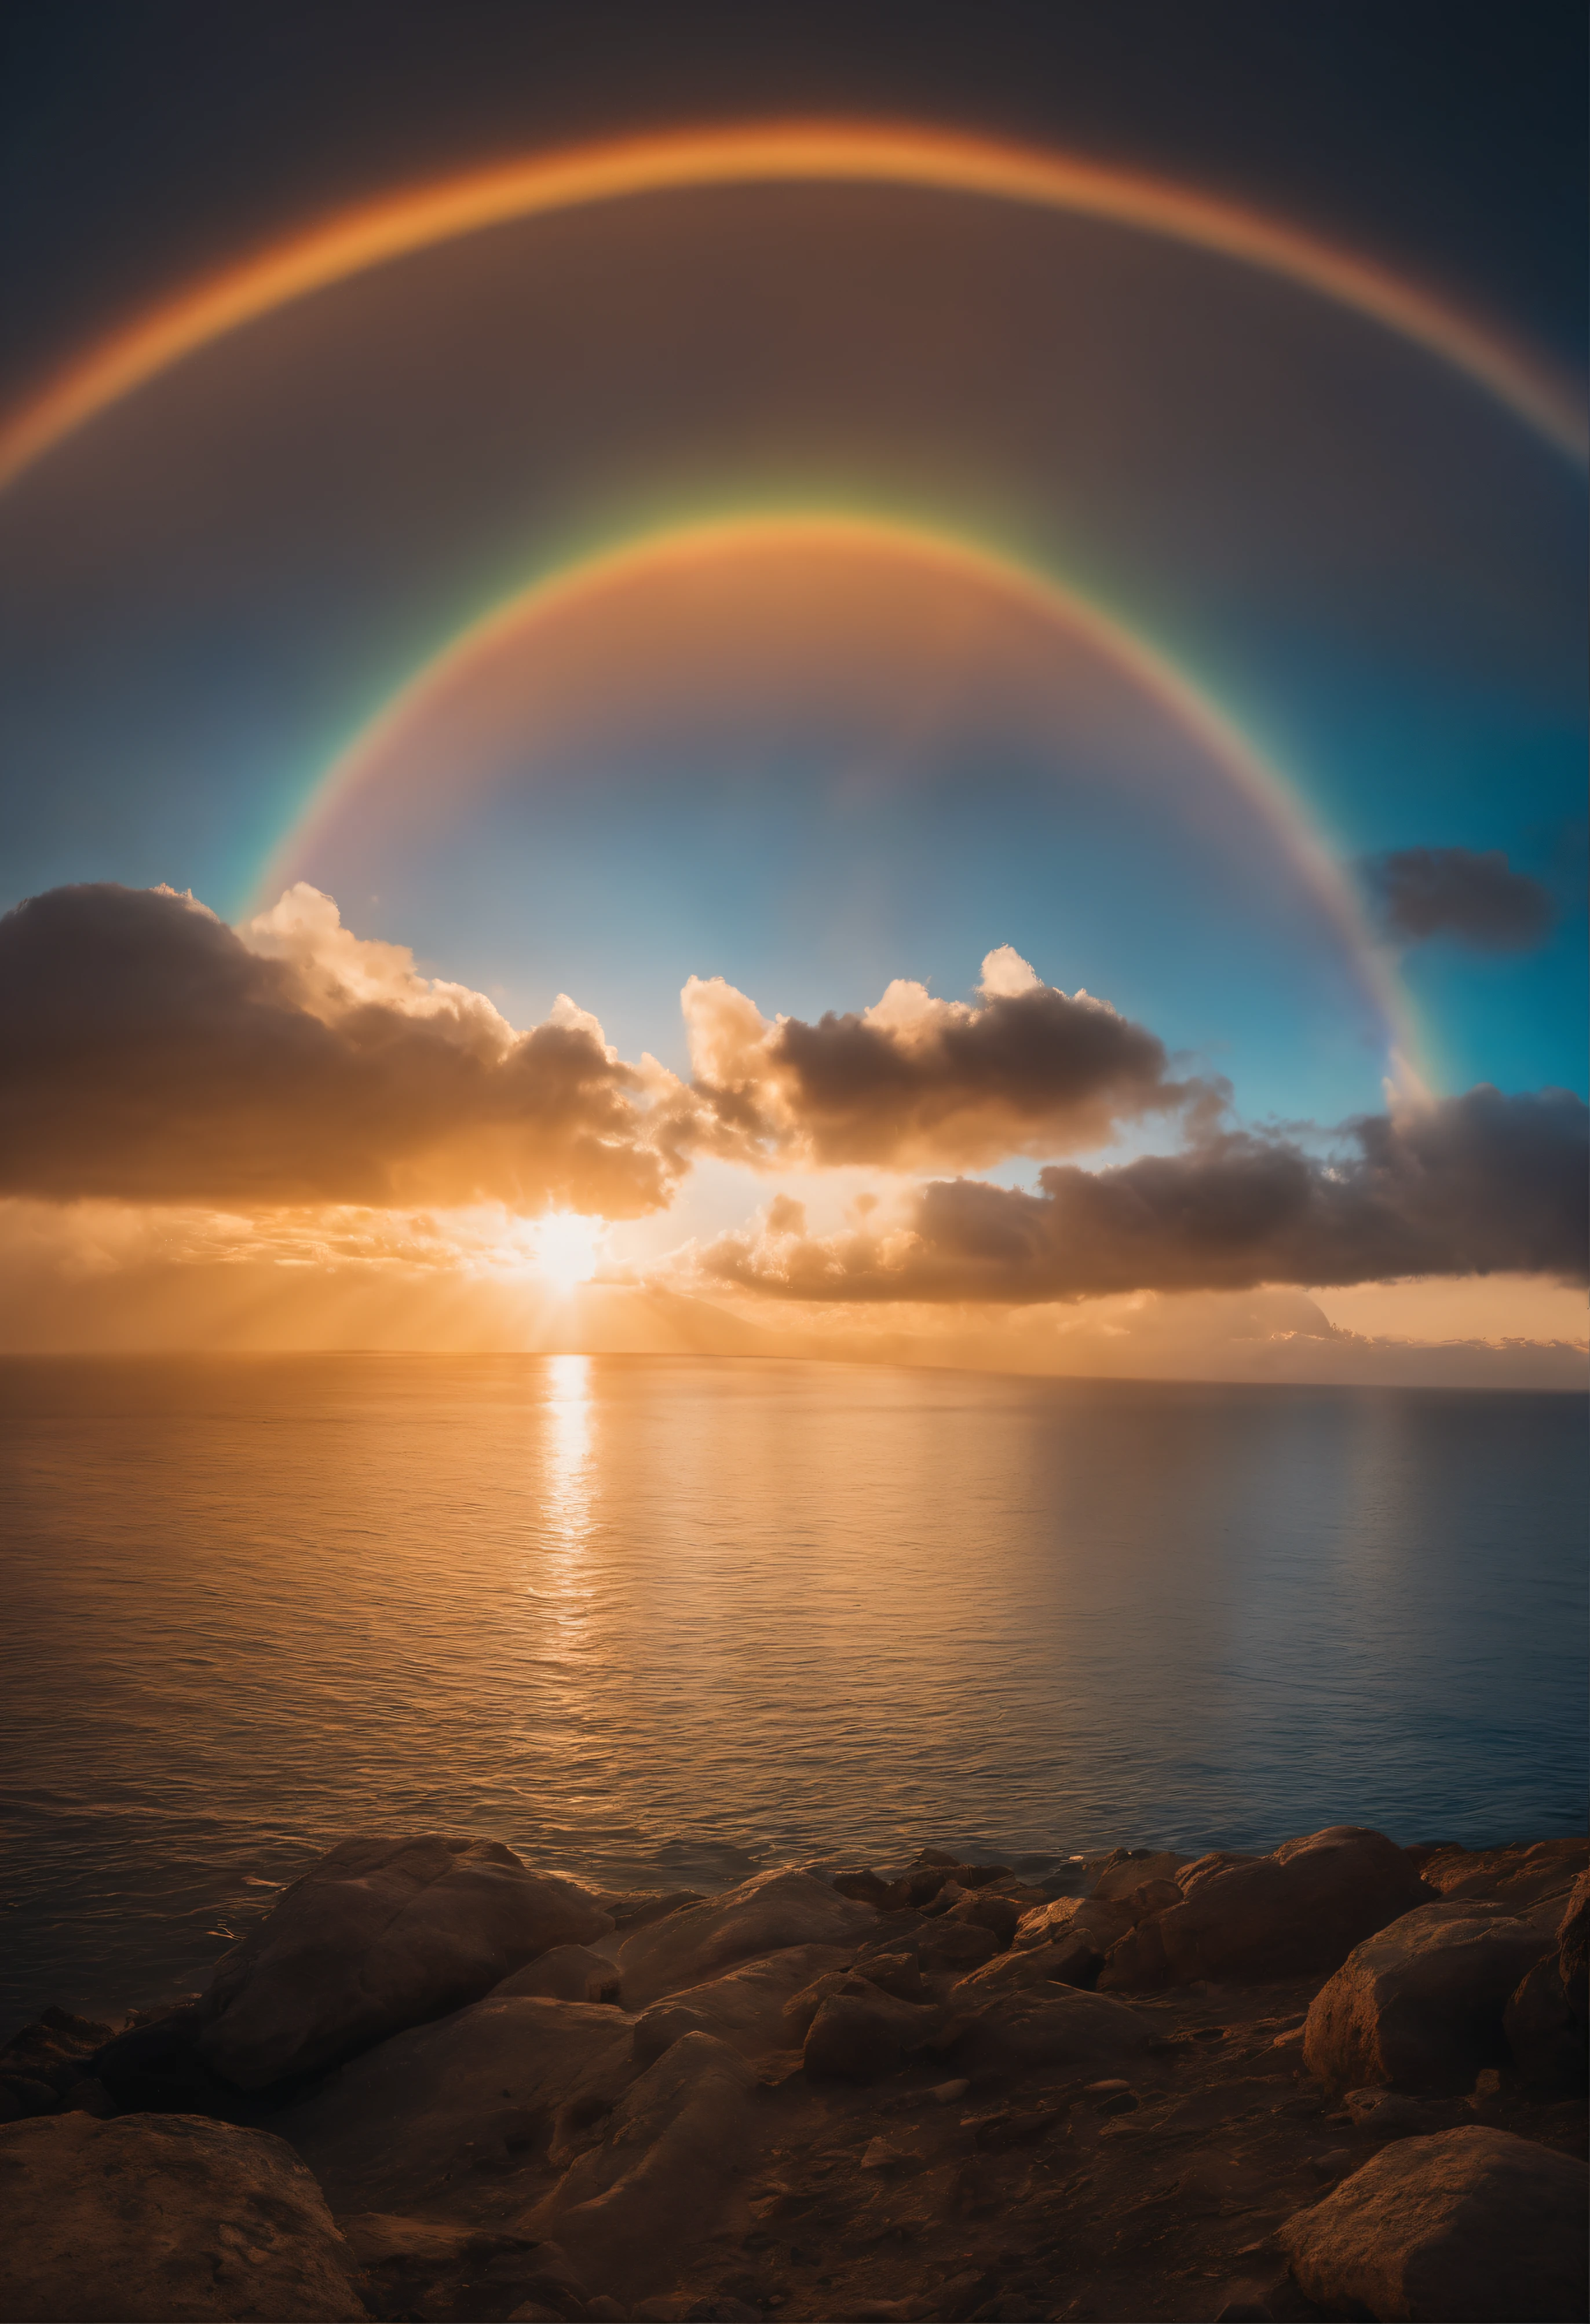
(1471, 1184)
(916, 1083)
(1476, 899)
(150, 1053)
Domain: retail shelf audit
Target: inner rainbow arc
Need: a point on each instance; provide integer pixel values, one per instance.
(1272, 795)
(785, 152)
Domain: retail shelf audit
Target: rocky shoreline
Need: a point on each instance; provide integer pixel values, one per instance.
(1345, 2080)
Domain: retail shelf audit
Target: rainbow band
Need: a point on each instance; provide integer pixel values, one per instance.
(852, 153)
(1269, 791)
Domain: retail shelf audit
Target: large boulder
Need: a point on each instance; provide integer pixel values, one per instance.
(381, 1934)
(160, 2218)
(1471, 2226)
(408, 2126)
(1299, 1911)
(662, 2172)
(1056, 2027)
(766, 1915)
(1419, 2005)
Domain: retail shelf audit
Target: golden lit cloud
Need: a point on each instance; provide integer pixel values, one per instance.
(915, 1082)
(152, 1053)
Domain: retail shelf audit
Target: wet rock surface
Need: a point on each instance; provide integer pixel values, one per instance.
(801, 2104)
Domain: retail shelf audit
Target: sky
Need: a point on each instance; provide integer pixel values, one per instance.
(901, 682)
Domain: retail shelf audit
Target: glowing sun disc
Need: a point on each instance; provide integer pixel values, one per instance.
(567, 1249)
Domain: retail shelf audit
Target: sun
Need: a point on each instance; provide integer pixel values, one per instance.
(567, 1249)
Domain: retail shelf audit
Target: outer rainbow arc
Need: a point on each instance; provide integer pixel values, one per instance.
(856, 153)
(1268, 789)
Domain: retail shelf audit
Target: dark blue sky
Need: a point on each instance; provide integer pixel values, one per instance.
(1379, 575)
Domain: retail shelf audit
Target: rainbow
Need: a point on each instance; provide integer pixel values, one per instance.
(854, 152)
(1272, 795)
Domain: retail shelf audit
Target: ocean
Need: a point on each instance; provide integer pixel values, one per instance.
(659, 1622)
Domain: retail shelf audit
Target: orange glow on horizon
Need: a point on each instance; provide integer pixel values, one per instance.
(854, 153)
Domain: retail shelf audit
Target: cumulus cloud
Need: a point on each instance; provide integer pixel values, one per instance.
(150, 1053)
(1472, 1184)
(1478, 900)
(916, 1083)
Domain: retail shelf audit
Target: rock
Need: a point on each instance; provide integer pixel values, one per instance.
(1388, 2114)
(408, 2126)
(660, 2176)
(1547, 2020)
(1573, 1945)
(657, 2029)
(26, 2097)
(567, 1973)
(900, 1974)
(1072, 1961)
(164, 2217)
(1419, 2004)
(802, 2007)
(1516, 1878)
(382, 2238)
(1299, 1910)
(1057, 2026)
(158, 2069)
(1473, 2226)
(1544, 2037)
(948, 1948)
(985, 1909)
(1135, 1866)
(1152, 1896)
(770, 1913)
(1101, 1922)
(1335, 2164)
(380, 1935)
(632, 1909)
(48, 2060)
(746, 2008)
(922, 1884)
(860, 2032)
(865, 1886)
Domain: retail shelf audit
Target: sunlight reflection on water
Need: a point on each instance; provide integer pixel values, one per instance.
(658, 1621)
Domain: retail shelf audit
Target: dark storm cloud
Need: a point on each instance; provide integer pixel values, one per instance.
(917, 1083)
(1472, 1184)
(1478, 900)
(148, 1053)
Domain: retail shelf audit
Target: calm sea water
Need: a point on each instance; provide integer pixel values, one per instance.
(660, 1621)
